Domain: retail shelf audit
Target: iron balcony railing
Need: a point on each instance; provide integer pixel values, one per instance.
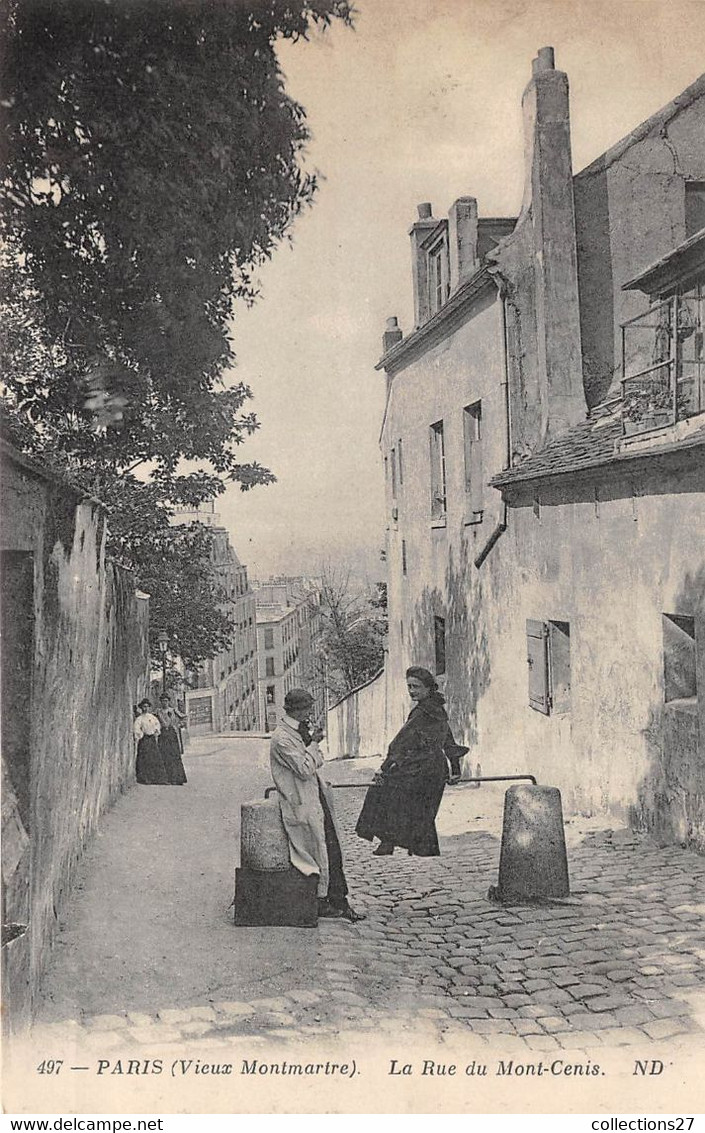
(663, 363)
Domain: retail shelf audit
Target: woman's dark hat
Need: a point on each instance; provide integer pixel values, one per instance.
(422, 675)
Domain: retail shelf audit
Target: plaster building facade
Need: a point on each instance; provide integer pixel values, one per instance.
(289, 628)
(223, 693)
(75, 659)
(544, 445)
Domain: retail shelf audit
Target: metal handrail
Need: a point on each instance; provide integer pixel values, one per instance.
(645, 314)
(500, 779)
(477, 779)
(667, 362)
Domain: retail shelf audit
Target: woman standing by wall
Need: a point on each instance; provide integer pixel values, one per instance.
(150, 765)
(169, 744)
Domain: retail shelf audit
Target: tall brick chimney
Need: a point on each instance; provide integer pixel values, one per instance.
(548, 199)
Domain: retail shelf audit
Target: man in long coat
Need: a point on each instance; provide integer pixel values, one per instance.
(306, 805)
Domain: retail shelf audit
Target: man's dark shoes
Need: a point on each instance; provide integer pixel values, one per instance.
(349, 914)
(383, 849)
(325, 909)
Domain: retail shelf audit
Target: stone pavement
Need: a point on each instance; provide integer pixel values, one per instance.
(619, 963)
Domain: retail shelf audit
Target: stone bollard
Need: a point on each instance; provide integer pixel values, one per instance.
(533, 863)
(263, 841)
(268, 889)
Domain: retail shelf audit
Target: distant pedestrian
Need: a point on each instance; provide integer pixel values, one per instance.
(306, 805)
(150, 764)
(169, 743)
(401, 807)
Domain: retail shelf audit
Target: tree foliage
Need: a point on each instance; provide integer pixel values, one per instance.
(354, 630)
(152, 160)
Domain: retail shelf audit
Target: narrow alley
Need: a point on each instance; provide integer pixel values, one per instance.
(148, 962)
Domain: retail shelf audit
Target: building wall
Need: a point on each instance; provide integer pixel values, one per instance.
(610, 557)
(312, 663)
(465, 368)
(609, 554)
(289, 610)
(271, 628)
(357, 724)
(89, 665)
(226, 697)
(630, 211)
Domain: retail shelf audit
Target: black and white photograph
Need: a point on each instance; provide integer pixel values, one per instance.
(353, 482)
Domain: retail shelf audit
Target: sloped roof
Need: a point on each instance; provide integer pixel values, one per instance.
(594, 443)
(584, 446)
(653, 125)
(680, 264)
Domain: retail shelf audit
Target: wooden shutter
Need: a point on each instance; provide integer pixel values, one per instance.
(537, 663)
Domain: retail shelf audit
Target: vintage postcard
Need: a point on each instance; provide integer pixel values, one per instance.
(353, 483)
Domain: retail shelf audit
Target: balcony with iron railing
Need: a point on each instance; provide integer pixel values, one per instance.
(663, 363)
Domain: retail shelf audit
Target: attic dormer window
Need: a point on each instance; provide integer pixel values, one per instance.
(438, 274)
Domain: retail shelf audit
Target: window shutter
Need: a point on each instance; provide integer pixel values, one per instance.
(537, 661)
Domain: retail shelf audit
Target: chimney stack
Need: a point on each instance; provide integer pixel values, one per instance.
(392, 335)
(462, 240)
(548, 193)
(418, 233)
(544, 61)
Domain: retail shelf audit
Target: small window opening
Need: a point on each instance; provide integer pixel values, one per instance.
(472, 438)
(438, 472)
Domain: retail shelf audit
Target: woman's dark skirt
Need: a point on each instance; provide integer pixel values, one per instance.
(150, 764)
(170, 749)
(402, 811)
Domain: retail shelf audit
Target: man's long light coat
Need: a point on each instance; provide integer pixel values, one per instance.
(296, 774)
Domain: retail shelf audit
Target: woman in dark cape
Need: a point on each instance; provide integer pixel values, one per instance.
(401, 807)
(169, 743)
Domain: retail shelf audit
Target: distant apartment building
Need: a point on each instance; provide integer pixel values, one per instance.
(288, 629)
(223, 695)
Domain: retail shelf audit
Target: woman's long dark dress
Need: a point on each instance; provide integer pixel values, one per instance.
(150, 764)
(170, 748)
(402, 809)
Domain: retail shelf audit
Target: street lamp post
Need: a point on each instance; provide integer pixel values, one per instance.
(163, 640)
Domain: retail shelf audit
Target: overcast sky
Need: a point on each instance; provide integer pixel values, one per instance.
(421, 102)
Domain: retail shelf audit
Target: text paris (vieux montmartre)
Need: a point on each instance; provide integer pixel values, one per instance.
(187, 1067)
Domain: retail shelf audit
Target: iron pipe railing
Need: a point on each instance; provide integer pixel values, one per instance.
(477, 779)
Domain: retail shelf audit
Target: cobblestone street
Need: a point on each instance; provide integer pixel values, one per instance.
(620, 964)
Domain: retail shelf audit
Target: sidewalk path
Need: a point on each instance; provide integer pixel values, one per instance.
(146, 945)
